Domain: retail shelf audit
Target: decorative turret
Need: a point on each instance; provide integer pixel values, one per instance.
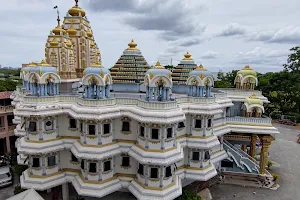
(158, 81)
(43, 79)
(131, 66)
(200, 82)
(71, 47)
(246, 79)
(96, 82)
(253, 106)
(181, 71)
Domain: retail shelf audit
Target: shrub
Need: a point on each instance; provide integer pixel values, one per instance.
(187, 195)
(18, 189)
(275, 177)
(269, 164)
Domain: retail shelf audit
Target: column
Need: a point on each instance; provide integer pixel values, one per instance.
(253, 145)
(154, 90)
(44, 90)
(85, 91)
(221, 141)
(174, 133)
(161, 169)
(168, 93)
(85, 129)
(58, 161)
(201, 158)
(99, 133)
(163, 137)
(100, 170)
(65, 191)
(244, 148)
(189, 92)
(7, 144)
(147, 130)
(43, 165)
(266, 141)
(146, 168)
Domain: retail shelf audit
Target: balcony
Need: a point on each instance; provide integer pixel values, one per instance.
(249, 121)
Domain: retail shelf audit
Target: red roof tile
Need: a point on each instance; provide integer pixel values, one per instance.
(5, 95)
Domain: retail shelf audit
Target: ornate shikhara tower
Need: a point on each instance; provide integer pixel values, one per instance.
(71, 47)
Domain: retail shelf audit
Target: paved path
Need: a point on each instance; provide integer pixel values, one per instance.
(284, 151)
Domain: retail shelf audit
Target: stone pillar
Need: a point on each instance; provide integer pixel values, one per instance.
(147, 135)
(146, 172)
(253, 145)
(266, 141)
(100, 170)
(65, 191)
(7, 144)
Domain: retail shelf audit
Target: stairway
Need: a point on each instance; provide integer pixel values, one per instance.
(241, 159)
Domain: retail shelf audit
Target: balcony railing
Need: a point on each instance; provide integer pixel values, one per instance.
(249, 120)
(195, 100)
(241, 92)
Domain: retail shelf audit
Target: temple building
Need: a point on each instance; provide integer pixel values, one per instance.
(182, 70)
(130, 69)
(133, 128)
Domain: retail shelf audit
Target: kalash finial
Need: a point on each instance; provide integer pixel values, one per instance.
(187, 56)
(132, 44)
(158, 66)
(200, 68)
(76, 2)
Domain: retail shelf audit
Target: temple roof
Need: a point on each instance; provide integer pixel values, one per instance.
(247, 70)
(200, 71)
(159, 70)
(181, 71)
(131, 66)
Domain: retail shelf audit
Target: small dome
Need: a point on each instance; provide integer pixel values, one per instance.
(96, 68)
(158, 70)
(76, 10)
(253, 99)
(42, 68)
(58, 29)
(246, 71)
(71, 30)
(200, 71)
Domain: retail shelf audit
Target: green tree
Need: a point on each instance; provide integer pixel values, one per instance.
(226, 80)
(293, 61)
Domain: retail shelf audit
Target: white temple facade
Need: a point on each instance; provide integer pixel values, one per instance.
(150, 143)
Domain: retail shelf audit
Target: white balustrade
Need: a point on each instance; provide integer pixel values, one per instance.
(248, 120)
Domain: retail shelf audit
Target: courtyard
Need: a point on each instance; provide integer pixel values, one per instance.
(284, 151)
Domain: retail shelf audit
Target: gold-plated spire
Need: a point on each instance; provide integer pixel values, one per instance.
(132, 44)
(200, 68)
(158, 66)
(187, 56)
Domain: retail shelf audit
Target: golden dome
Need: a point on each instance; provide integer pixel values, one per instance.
(158, 66)
(253, 99)
(68, 43)
(200, 68)
(75, 10)
(53, 52)
(58, 29)
(89, 33)
(187, 56)
(54, 42)
(98, 52)
(44, 63)
(132, 44)
(247, 71)
(97, 64)
(71, 30)
(32, 64)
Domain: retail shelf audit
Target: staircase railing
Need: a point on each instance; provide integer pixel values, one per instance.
(241, 158)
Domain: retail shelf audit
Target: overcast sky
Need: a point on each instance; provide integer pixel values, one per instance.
(220, 34)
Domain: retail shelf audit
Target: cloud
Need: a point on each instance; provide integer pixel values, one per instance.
(290, 35)
(210, 55)
(173, 18)
(261, 56)
(232, 30)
